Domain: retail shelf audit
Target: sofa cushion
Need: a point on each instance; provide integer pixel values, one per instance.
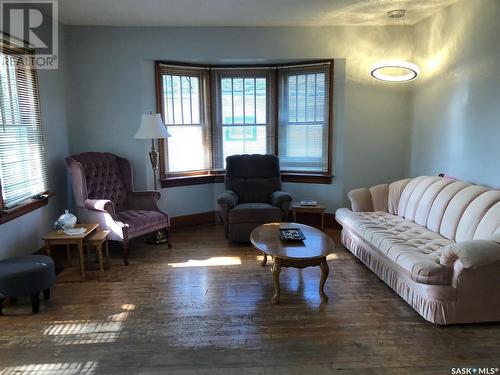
(138, 220)
(255, 213)
(413, 247)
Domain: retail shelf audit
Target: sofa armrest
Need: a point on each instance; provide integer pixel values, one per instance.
(102, 205)
(472, 254)
(227, 198)
(361, 200)
(143, 200)
(281, 199)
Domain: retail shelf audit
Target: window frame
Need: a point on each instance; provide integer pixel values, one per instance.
(311, 67)
(243, 71)
(217, 175)
(40, 200)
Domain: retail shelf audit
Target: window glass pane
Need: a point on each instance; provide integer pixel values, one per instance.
(292, 98)
(243, 140)
(301, 98)
(181, 99)
(261, 100)
(250, 117)
(185, 149)
(310, 96)
(195, 100)
(238, 100)
(186, 99)
(320, 97)
(227, 100)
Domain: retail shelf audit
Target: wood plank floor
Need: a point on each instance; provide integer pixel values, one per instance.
(203, 307)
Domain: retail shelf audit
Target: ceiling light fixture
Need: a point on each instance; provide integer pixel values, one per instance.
(395, 71)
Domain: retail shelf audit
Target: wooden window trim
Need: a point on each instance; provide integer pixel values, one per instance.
(188, 180)
(24, 208)
(216, 176)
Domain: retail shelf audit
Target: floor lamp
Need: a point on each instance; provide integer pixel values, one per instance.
(152, 127)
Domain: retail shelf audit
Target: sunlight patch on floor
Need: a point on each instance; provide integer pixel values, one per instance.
(87, 331)
(210, 262)
(66, 368)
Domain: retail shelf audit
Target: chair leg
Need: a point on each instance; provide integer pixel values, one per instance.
(35, 303)
(46, 294)
(1, 304)
(125, 252)
(167, 234)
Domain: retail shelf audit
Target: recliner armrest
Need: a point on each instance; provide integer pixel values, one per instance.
(361, 200)
(281, 199)
(144, 200)
(228, 198)
(472, 254)
(102, 205)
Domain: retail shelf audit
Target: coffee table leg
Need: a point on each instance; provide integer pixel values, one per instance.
(324, 275)
(264, 260)
(276, 269)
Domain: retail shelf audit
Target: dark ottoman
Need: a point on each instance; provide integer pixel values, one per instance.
(26, 276)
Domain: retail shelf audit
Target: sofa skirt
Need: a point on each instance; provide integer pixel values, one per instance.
(435, 303)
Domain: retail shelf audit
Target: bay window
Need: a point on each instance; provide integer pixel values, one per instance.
(214, 111)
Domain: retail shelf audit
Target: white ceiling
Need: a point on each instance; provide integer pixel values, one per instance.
(243, 12)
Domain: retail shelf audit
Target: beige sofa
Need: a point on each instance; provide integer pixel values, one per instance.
(434, 240)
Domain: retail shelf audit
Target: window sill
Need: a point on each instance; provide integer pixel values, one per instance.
(23, 209)
(308, 178)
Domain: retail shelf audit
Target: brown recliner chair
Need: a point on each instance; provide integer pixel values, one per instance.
(102, 185)
(253, 195)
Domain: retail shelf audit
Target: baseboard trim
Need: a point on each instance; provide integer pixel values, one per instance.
(210, 217)
(213, 217)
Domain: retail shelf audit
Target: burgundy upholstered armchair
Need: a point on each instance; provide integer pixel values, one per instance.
(102, 185)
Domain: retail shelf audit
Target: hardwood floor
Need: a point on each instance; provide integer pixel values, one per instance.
(204, 307)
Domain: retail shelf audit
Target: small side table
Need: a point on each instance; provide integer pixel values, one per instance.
(97, 240)
(60, 238)
(296, 207)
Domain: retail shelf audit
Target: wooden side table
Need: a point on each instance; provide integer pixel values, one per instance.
(97, 240)
(296, 207)
(60, 238)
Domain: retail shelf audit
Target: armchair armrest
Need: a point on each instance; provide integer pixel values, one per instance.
(472, 254)
(102, 205)
(227, 198)
(361, 200)
(144, 200)
(281, 199)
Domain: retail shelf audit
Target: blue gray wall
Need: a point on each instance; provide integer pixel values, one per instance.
(111, 79)
(456, 103)
(23, 235)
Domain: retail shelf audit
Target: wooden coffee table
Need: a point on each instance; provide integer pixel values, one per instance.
(308, 253)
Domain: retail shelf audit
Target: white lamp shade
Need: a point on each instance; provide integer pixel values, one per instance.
(151, 127)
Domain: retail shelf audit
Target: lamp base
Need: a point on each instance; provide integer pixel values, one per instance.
(157, 238)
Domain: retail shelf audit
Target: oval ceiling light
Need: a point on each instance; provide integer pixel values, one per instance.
(395, 71)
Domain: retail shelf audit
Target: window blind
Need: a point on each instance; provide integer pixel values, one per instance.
(23, 168)
(304, 118)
